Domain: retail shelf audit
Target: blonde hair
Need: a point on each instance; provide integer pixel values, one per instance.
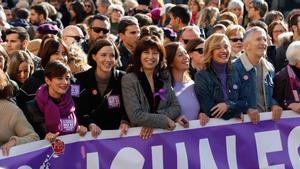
(212, 43)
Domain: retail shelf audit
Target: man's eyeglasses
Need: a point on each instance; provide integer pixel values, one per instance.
(87, 6)
(77, 38)
(98, 30)
(199, 50)
(236, 39)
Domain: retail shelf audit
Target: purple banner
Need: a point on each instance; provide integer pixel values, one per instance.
(222, 144)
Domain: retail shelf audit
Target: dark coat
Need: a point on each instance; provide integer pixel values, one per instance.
(106, 111)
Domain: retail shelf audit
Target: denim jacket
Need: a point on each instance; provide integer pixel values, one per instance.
(247, 75)
(209, 92)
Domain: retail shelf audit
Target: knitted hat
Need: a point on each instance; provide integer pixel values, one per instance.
(169, 33)
(155, 14)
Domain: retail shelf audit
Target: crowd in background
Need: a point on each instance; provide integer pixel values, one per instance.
(73, 66)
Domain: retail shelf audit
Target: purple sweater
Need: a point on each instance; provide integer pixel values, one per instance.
(221, 72)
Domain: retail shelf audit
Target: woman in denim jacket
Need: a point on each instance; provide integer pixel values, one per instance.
(217, 87)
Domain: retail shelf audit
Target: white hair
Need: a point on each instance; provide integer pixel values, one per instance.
(293, 53)
(235, 3)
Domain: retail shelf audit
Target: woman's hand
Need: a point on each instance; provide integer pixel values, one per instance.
(253, 115)
(5, 147)
(171, 124)
(183, 121)
(146, 132)
(95, 130)
(81, 130)
(203, 118)
(276, 112)
(123, 129)
(51, 136)
(219, 109)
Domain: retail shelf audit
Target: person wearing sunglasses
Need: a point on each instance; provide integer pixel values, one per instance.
(235, 34)
(98, 28)
(89, 7)
(188, 33)
(72, 34)
(195, 50)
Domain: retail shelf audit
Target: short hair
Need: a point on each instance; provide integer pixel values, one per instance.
(6, 89)
(293, 53)
(106, 3)
(294, 20)
(290, 15)
(97, 17)
(22, 33)
(113, 7)
(212, 43)
(56, 69)
(22, 13)
(152, 30)
(40, 9)
(125, 22)
(182, 12)
(148, 42)
(253, 30)
(15, 60)
(144, 2)
(98, 45)
(218, 27)
(234, 4)
(143, 19)
(225, 22)
(234, 29)
(229, 16)
(273, 15)
(261, 6)
(258, 23)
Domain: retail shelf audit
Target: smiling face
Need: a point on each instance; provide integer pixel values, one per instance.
(236, 42)
(150, 59)
(221, 54)
(105, 59)
(255, 44)
(58, 86)
(181, 60)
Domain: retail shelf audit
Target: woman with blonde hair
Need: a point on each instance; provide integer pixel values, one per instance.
(217, 87)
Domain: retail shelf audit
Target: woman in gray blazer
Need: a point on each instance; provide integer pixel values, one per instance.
(148, 97)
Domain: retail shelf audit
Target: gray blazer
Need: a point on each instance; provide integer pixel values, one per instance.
(138, 108)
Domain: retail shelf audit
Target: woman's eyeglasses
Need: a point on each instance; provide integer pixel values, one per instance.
(98, 30)
(199, 50)
(236, 39)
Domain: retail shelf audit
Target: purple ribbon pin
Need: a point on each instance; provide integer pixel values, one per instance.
(161, 93)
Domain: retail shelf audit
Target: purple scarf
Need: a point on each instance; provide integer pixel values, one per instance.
(57, 115)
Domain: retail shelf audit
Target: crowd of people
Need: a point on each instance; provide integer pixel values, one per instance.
(75, 66)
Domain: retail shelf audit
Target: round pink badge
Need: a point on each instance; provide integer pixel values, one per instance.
(245, 77)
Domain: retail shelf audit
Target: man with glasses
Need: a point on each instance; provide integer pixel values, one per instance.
(188, 33)
(99, 27)
(72, 34)
(129, 32)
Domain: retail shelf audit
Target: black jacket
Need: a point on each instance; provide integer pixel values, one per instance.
(106, 111)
